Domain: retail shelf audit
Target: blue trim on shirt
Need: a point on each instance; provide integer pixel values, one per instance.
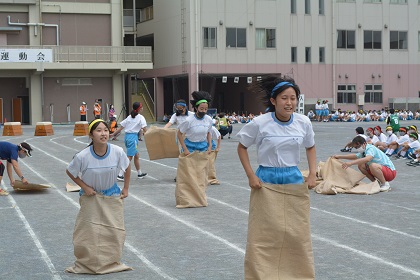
(273, 115)
(92, 152)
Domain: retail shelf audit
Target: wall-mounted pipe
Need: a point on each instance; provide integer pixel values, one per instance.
(36, 25)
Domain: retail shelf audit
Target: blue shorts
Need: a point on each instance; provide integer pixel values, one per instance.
(213, 145)
(131, 142)
(112, 191)
(195, 146)
(318, 112)
(280, 175)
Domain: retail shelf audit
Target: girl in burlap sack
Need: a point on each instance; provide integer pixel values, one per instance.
(279, 244)
(195, 139)
(99, 232)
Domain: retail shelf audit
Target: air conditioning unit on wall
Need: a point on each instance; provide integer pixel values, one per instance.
(361, 100)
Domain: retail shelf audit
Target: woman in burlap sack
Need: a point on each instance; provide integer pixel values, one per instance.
(279, 243)
(99, 233)
(195, 139)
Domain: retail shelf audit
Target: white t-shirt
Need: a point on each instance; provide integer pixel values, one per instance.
(196, 129)
(374, 139)
(278, 143)
(403, 139)
(391, 138)
(215, 134)
(133, 125)
(100, 173)
(414, 145)
(180, 119)
(382, 138)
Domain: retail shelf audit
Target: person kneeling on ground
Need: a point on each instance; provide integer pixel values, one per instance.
(371, 161)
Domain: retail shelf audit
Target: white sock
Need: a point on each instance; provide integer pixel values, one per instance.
(139, 171)
(402, 153)
(386, 152)
(390, 151)
(121, 174)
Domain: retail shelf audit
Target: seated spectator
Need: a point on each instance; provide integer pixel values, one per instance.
(311, 115)
(391, 137)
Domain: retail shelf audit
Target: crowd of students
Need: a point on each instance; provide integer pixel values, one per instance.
(361, 115)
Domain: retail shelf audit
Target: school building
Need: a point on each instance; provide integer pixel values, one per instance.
(357, 54)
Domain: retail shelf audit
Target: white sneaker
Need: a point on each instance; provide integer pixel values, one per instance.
(120, 178)
(385, 187)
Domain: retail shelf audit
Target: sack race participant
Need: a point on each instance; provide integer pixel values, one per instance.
(192, 172)
(215, 147)
(99, 232)
(279, 242)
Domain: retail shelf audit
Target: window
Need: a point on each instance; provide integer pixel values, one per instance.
(346, 94)
(346, 39)
(235, 37)
(398, 2)
(307, 7)
(321, 54)
(209, 37)
(398, 40)
(308, 54)
(265, 38)
(293, 6)
(294, 54)
(373, 94)
(372, 40)
(322, 7)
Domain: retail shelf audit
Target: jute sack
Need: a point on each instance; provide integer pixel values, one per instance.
(161, 143)
(192, 180)
(279, 244)
(99, 235)
(212, 169)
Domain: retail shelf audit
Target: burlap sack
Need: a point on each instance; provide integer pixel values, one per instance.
(19, 186)
(161, 142)
(339, 180)
(192, 180)
(212, 169)
(279, 244)
(99, 235)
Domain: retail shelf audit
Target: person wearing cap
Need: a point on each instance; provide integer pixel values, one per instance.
(360, 132)
(11, 152)
(393, 121)
(391, 137)
(371, 162)
(132, 125)
(394, 146)
(83, 110)
(410, 146)
(97, 110)
(318, 110)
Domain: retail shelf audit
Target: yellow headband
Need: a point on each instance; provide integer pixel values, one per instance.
(93, 122)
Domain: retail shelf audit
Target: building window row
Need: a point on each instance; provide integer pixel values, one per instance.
(321, 7)
(398, 40)
(346, 94)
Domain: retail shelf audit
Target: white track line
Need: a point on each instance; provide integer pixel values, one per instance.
(38, 244)
(190, 225)
(366, 255)
(367, 223)
(130, 247)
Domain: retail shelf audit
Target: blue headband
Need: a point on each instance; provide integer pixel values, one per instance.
(181, 104)
(279, 85)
